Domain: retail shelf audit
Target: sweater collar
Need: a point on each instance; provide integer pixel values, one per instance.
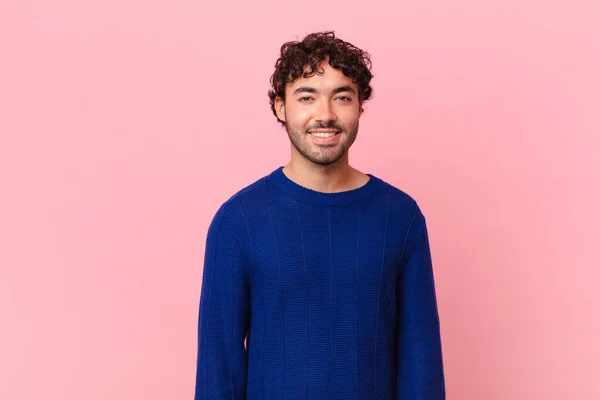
(300, 192)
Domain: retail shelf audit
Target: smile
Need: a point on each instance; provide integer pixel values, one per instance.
(323, 134)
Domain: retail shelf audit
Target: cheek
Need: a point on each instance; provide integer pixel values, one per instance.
(350, 118)
(297, 116)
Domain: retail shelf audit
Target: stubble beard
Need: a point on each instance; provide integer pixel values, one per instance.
(325, 154)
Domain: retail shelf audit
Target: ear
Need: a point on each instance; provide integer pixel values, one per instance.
(280, 108)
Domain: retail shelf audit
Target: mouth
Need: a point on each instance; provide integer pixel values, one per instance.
(325, 137)
(324, 134)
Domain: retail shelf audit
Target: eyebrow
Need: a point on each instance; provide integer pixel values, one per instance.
(308, 89)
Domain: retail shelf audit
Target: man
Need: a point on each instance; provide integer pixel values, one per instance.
(318, 280)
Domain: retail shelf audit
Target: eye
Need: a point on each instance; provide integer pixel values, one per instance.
(345, 99)
(305, 98)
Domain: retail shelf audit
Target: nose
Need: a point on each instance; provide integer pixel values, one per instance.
(325, 112)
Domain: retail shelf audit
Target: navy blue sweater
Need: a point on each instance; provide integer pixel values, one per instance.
(310, 295)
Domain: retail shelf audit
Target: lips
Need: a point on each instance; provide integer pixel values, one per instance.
(324, 131)
(323, 135)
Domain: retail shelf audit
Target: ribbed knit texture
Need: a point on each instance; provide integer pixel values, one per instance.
(334, 293)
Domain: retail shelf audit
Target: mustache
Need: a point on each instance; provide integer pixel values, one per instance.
(329, 125)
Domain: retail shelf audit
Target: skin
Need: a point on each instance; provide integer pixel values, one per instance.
(326, 102)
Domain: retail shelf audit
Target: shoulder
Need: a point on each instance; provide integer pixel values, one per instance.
(246, 197)
(400, 198)
(406, 213)
(230, 220)
(405, 210)
(235, 208)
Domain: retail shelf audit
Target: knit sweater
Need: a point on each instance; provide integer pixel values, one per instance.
(312, 295)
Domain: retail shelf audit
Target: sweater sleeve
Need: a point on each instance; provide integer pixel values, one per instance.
(223, 320)
(420, 374)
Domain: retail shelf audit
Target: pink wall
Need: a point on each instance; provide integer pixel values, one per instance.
(124, 124)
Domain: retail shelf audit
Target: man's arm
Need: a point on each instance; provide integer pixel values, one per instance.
(418, 344)
(223, 315)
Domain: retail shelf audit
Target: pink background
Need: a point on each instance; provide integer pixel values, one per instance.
(125, 124)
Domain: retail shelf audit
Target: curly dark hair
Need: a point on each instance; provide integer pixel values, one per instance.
(314, 48)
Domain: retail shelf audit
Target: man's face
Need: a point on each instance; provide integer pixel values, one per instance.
(321, 115)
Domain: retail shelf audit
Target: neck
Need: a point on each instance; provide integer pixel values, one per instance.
(336, 177)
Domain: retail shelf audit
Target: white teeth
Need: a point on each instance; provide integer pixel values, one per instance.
(323, 134)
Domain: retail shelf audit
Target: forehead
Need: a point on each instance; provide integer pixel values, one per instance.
(327, 81)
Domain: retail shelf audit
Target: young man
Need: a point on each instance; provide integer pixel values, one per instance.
(318, 280)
